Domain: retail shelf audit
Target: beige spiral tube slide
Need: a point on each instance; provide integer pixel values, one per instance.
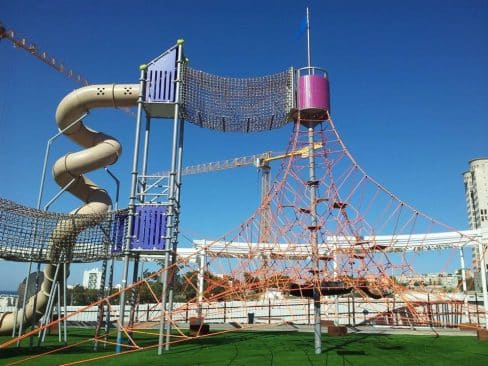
(100, 150)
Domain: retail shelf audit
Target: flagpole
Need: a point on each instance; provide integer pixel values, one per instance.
(309, 57)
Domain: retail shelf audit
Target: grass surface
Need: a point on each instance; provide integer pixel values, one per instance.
(268, 348)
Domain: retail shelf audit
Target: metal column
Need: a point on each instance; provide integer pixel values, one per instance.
(132, 202)
(465, 288)
(175, 230)
(173, 202)
(314, 243)
(481, 250)
(135, 269)
(336, 297)
(265, 209)
(202, 258)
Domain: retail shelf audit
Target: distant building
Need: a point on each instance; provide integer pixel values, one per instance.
(476, 190)
(447, 281)
(272, 294)
(92, 278)
(7, 301)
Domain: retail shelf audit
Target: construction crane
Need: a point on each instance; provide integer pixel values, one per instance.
(260, 161)
(51, 61)
(263, 165)
(42, 55)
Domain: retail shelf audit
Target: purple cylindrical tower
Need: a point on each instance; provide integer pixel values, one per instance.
(313, 99)
(313, 92)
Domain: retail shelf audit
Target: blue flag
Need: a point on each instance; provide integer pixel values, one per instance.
(302, 29)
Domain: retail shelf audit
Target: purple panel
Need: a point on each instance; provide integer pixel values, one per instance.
(161, 74)
(149, 228)
(118, 232)
(313, 92)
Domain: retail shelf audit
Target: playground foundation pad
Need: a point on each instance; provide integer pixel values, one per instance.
(360, 329)
(359, 347)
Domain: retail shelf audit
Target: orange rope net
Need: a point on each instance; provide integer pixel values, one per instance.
(261, 274)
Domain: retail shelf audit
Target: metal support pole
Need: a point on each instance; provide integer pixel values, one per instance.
(173, 208)
(264, 219)
(46, 157)
(49, 305)
(65, 302)
(135, 271)
(57, 195)
(309, 55)
(164, 281)
(59, 314)
(336, 297)
(477, 308)
(465, 287)
(117, 188)
(314, 243)
(38, 206)
(201, 272)
(101, 305)
(46, 207)
(175, 232)
(132, 203)
(110, 287)
(481, 250)
(353, 303)
(47, 315)
(14, 328)
(111, 270)
(34, 317)
(24, 302)
(145, 154)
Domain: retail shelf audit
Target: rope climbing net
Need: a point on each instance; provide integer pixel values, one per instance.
(368, 243)
(362, 280)
(28, 234)
(237, 104)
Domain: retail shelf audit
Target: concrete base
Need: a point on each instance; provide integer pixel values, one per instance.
(327, 323)
(198, 327)
(53, 329)
(482, 334)
(467, 326)
(337, 331)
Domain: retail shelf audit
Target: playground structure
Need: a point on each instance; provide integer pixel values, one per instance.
(324, 227)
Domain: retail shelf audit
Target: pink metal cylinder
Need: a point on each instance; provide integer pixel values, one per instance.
(313, 93)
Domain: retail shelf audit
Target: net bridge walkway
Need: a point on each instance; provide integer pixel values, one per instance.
(28, 234)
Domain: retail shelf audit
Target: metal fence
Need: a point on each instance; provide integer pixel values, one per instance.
(345, 311)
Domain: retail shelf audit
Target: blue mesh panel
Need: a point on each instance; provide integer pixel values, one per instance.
(149, 228)
(161, 76)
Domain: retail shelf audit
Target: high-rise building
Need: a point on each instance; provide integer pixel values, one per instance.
(476, 189)
(92, 278)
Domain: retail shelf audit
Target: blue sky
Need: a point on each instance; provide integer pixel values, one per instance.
(409, 91)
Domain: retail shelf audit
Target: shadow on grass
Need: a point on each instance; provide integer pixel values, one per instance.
(222, 339)
(348, 346)
(351, 339)
(351, 353)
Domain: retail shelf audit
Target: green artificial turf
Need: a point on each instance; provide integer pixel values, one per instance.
(272, 348)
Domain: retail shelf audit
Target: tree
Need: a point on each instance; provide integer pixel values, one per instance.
(79, 295)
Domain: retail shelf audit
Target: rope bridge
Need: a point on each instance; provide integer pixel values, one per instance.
(26, 234)
(237, 104)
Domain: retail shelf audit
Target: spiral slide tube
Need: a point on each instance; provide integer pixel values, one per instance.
(100, 150)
